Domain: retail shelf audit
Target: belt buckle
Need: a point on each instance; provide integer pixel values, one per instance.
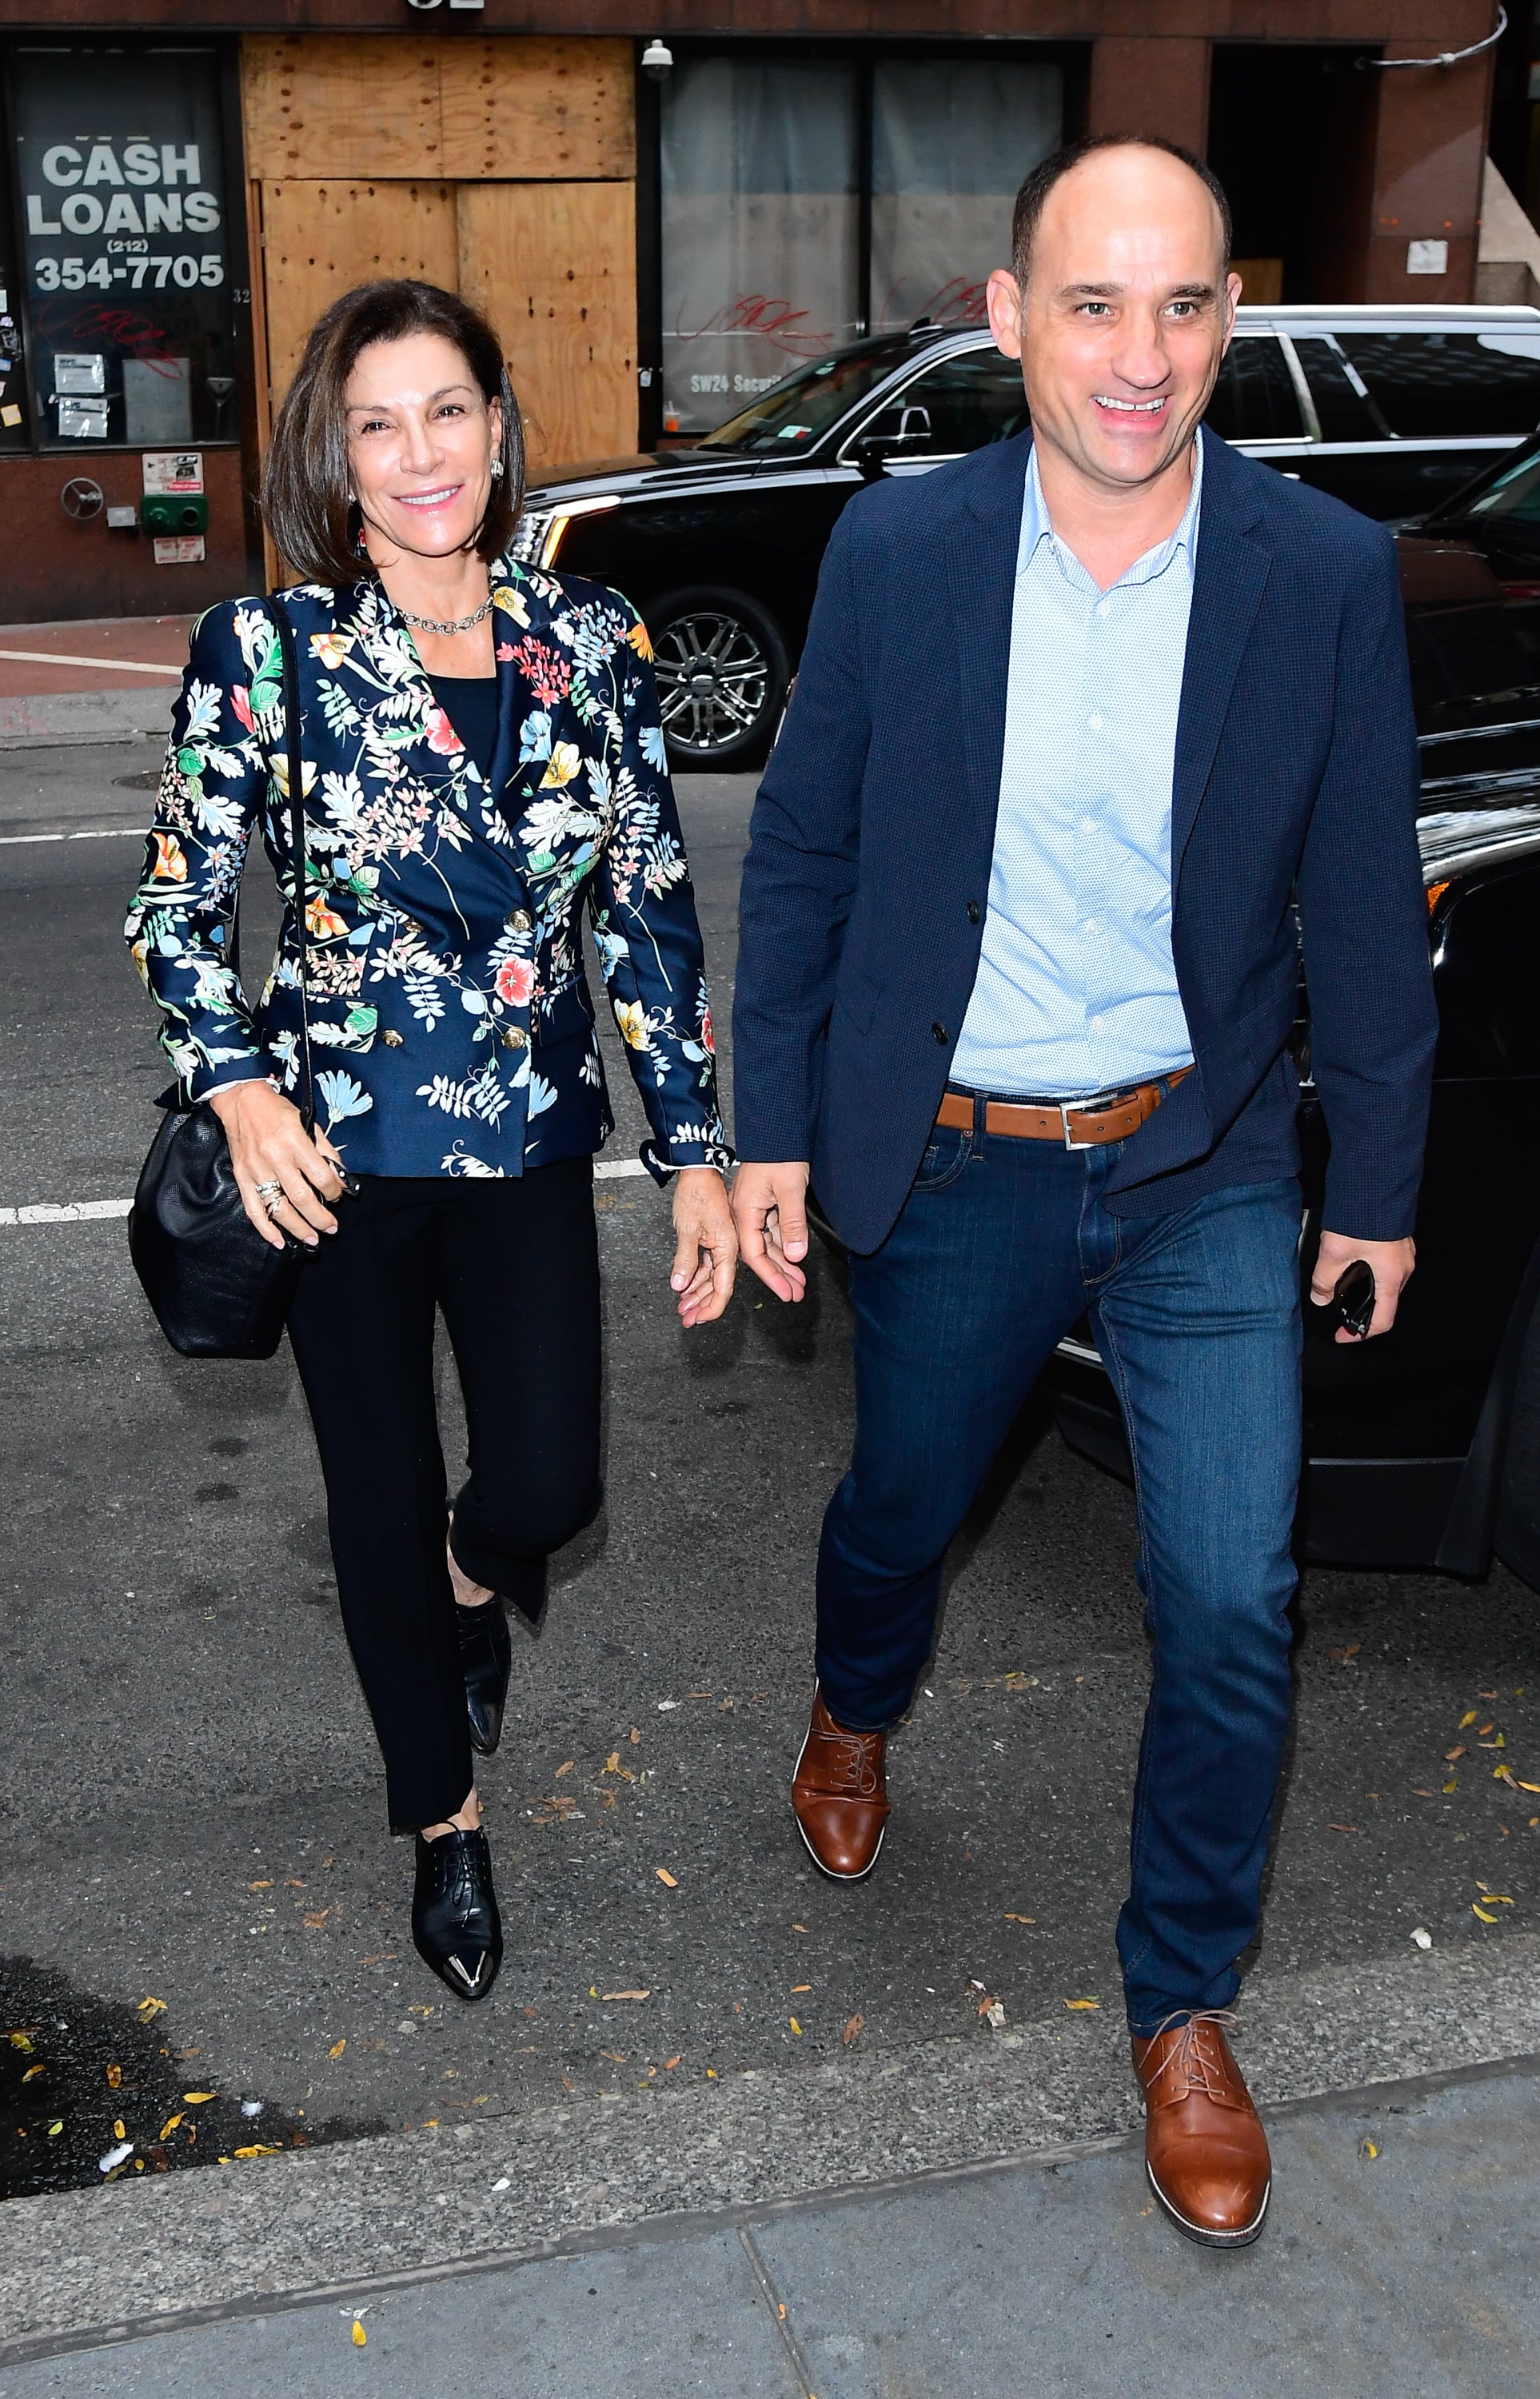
(1064, 1108)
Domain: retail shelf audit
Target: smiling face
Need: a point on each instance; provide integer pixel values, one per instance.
(422, 437)
(1125, 318)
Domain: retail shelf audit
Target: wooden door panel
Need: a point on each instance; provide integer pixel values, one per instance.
(336, 104)
(554, 266)
(320, 240)
(537, 106)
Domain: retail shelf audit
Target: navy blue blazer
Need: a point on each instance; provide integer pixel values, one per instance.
(1296, 768)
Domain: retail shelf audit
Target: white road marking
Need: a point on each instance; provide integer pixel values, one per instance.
(87, 1212)
(68, 658)
(96, 832)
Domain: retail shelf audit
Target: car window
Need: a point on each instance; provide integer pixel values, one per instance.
(1254, 398)
(1471, 384)
(1474, 663)
(1514, 498)
(1489, 994)
(1338, 391)
(968, 401)
(794, 412)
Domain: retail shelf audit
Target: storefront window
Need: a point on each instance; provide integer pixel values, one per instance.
(760, 215)
(15, 408)
(124, 242)
(952, 141)
(809, 201)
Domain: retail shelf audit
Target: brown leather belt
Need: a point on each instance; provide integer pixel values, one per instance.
(1075, 1128)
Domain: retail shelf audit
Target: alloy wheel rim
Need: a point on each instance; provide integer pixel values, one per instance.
(713, 680)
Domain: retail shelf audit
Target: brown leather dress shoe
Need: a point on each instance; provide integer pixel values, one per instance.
(839, 1795)
(1205, 2151)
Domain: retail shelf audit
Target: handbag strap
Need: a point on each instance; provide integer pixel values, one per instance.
(297, 846)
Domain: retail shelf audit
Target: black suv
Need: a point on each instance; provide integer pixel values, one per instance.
(718, 545)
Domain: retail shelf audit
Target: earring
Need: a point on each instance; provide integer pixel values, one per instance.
(497, 465)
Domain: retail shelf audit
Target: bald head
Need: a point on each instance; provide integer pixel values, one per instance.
(1109, 165)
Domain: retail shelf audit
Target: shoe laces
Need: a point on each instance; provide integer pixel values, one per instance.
(1196, 2057)
(852, 1758)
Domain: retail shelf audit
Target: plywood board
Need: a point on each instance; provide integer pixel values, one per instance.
(537, 107)
(320, 240)
(329, 105)
(333, 104)
(554, 266)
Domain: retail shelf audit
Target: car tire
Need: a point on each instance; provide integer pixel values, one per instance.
(722, 677)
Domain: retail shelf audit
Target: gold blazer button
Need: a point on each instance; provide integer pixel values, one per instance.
(515, 1038)
(518, 922)
(391, 1038)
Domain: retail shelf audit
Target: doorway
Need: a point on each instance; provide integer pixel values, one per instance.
(1291, 137)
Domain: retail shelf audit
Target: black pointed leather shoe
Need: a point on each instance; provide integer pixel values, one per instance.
(454, 1919)
(486, 1660)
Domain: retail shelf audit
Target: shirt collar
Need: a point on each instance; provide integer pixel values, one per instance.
(1036, 527)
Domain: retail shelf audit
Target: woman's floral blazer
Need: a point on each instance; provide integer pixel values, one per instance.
(451, 1026)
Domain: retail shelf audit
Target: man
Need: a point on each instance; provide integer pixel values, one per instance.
(1078, 717)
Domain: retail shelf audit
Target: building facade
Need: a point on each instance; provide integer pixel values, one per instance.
(185, 189)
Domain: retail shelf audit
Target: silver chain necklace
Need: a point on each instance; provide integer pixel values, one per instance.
(455, 624)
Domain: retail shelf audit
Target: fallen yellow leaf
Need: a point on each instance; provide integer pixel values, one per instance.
(121, 2131)
(1468, 1718)
(797, 1989)
(258, 2149)
(1451, 1786)
(1450, 1755)
(56, 2128)
(20, 2040)
(1371, 2149)
(1020, 1919)
(150, 2007)
(622, 1995)
(198, 2098)
(665, 1876)
(32, 2070)
(1082, 2003)
(266, 1884)
(612, 1764)
(1482, 1913)
(337, 2047)
(795, 2025)
(360, 2337)
(1526, 1786)
(114, 2077)
(169, 2125)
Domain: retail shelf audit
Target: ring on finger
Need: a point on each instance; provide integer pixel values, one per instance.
(271, 1196)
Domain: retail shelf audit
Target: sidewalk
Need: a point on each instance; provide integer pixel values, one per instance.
(1398, 2263)
(89, 679)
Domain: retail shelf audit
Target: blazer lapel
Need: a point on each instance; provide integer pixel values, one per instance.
(512, 614)
(981, 571)
(1231, 571)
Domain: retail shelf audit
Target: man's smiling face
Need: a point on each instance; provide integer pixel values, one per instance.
(1126, 314)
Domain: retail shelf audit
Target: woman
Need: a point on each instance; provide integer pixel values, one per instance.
(481, 756)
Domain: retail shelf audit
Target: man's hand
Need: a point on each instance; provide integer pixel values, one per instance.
(770, 1203)
(706, 1245)
(1391, 1264)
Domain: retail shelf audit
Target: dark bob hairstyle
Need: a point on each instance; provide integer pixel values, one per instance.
(305, 482)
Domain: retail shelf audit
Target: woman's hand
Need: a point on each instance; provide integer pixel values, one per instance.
(268, 1143)
(706, 1245)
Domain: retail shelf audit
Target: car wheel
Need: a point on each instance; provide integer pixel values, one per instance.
(722, 677)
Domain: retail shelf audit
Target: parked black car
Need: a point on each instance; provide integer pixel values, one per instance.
(718, 545)
(1423, 1446)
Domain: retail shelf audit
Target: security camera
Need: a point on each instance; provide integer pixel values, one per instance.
(657, 59)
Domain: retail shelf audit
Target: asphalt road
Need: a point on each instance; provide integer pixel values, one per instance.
(194, 1806)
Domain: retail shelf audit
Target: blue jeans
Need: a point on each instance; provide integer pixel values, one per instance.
(1002, 1245)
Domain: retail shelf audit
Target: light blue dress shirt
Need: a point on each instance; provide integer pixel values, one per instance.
(1077, 989)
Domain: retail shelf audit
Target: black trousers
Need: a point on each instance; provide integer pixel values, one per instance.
(514, 1266)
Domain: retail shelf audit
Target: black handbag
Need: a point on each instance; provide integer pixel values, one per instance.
(217, 1288)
